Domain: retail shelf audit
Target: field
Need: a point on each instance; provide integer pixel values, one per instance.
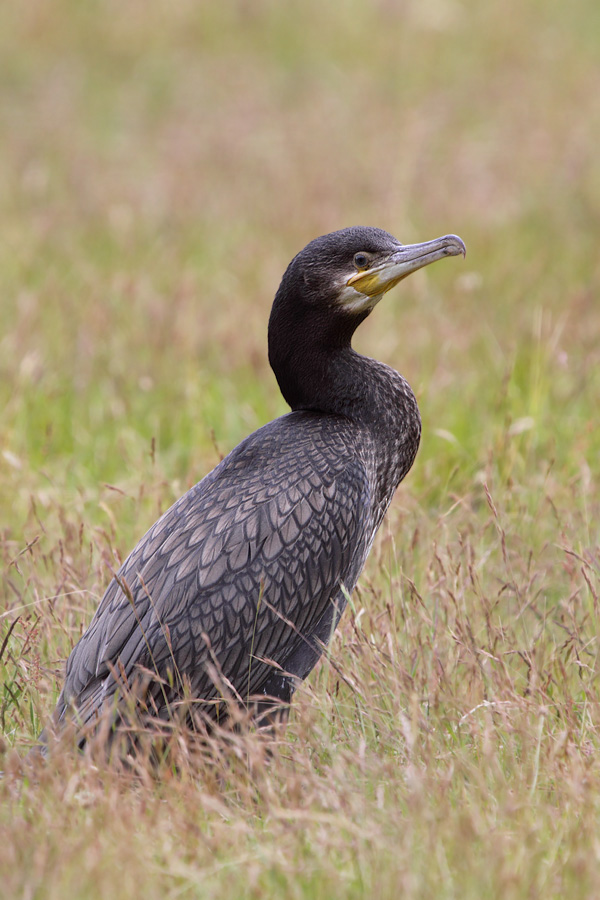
(160, 164)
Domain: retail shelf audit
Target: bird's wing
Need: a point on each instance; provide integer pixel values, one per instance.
(232, 574)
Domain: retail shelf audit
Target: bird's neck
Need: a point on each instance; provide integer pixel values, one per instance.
(318, 370)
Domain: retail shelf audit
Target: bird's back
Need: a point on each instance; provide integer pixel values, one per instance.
(237, 575)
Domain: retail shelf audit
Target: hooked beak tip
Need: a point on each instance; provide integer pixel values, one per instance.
(456, 245)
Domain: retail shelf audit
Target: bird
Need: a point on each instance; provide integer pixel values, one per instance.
(234, 593)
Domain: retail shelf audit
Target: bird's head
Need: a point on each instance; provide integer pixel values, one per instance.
(350, 270)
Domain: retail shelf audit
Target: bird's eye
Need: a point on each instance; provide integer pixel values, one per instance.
(361, 260)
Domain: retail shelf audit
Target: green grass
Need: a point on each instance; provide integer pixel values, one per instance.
(159, 166)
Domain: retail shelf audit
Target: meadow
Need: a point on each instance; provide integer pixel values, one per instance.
(160, 164)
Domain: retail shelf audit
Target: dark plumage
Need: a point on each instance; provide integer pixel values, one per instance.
(239, 585)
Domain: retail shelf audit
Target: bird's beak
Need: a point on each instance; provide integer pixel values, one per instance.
(408, 258)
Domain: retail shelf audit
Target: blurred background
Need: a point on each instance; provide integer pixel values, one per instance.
(161, 163)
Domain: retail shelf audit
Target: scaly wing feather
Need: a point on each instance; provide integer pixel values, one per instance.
(239, 570)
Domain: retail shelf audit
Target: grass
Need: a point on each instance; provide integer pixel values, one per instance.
(159, 166)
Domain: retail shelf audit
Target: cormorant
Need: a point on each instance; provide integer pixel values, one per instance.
(237, 588)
